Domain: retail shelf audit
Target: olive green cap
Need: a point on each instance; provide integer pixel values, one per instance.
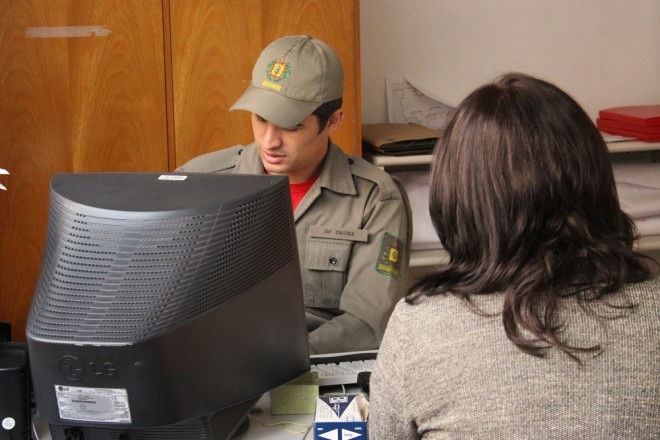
(292, 77)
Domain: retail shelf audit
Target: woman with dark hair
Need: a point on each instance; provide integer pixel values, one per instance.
(545, 323)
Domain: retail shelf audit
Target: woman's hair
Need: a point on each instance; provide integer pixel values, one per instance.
(524, 201)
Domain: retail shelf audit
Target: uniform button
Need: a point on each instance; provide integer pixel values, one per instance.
(333, 260)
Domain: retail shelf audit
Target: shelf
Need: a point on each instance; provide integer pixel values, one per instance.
(648, 243)
(384, 161)
(631, 146)
(433, 257)
(422, 258)
(436, 257)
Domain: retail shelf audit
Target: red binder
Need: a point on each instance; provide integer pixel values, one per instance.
(621, 125)
(639, 121)
(644, 115)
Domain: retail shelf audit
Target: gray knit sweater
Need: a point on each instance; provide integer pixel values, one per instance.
(444, 372)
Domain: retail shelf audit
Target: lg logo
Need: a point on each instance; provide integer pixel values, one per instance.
(75, 370)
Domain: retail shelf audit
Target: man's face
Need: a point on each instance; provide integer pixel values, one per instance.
(297, 152)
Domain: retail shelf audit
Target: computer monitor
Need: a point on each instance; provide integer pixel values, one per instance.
(167, 304)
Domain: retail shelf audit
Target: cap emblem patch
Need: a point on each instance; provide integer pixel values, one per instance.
(277, 71)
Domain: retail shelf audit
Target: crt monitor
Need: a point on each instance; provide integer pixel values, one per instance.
(167, 304)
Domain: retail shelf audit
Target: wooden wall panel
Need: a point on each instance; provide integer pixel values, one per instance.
(137, 85)
(214, 46)
(212, 43)
(70, 101)
(336, 23)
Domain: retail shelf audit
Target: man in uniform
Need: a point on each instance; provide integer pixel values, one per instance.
(353, 221)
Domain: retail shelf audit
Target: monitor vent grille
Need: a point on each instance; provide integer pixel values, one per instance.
(122, 280)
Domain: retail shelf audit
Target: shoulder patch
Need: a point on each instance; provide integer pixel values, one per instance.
(389, 262)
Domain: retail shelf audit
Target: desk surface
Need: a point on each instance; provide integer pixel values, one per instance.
(263, 425)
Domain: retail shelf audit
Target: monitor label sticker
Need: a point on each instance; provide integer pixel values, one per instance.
(173, 177)
(109, 405)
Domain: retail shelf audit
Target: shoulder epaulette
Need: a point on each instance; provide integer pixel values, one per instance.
(214, 162)
(366, 170)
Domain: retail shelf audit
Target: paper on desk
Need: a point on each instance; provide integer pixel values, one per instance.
(411, 103)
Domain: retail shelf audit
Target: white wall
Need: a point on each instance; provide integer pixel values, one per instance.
(604, 53)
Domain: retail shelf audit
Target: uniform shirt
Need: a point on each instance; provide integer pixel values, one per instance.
(354, 230)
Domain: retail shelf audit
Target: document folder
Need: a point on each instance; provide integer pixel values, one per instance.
(399, 139)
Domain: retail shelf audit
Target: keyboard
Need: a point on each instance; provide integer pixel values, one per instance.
(342, 368)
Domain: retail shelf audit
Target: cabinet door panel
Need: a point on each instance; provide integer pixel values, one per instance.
(212, 43)
(82, 88)
(214, 46)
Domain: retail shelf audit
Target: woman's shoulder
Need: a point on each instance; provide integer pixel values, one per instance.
(448, 309)
(646, 290)
(645, 294)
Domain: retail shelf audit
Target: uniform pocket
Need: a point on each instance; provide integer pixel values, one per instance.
(326, 262)
(332, 255)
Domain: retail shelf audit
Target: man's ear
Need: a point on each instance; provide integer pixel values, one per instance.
(335, 120)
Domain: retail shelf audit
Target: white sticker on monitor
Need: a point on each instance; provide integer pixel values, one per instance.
(8, 423)
(109, 405)
(172, 177)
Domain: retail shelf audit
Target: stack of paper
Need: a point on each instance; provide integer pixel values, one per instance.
(639, 121)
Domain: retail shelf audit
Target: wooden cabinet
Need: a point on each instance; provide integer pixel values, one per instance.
(81, 89)
(214, 45)
(136, 85)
